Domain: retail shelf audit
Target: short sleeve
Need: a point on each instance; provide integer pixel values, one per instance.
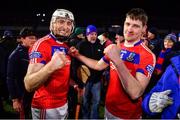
(39, 53)
(147, 64)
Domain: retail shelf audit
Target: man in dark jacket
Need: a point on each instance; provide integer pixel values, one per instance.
(7, 45)
(91, 48)
(17, 67)
(154, 41)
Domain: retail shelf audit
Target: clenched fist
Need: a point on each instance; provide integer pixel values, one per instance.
(113, 52)
(58, 60)
(73, 52)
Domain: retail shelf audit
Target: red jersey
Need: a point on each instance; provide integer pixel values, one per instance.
(53, 93)
(137, 59)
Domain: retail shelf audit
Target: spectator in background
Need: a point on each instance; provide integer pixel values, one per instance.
(77, 37)
(179, 37)
(119, 36)
(116, 34)
(17, 66)
(105, 39)
(144, 38)
(7, 45)
(174, 50)
(9, 39)
(169, 41)
(91, 48)
(154, 40)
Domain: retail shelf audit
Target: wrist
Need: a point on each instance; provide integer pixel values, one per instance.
(50, 68)
(117, 62)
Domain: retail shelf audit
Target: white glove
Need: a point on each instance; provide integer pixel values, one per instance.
(159, 100)
(178, 115)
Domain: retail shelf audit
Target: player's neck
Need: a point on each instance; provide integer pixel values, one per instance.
(130, 43)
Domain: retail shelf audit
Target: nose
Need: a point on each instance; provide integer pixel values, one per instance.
(68, 23)
(34, 39)
(129, 28)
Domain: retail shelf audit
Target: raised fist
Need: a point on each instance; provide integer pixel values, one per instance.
(113, 52)
(73, 52)
(58, 60)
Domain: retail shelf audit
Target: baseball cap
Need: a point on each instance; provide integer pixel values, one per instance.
(27, 32)
(78, 31)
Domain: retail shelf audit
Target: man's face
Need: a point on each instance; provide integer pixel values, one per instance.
(29, 41)
(119, 38)
(133, 29)
(81, 36)
(92, 37)
(150, 36)
(62, 27)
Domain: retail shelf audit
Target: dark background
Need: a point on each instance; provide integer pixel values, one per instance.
(163, 14)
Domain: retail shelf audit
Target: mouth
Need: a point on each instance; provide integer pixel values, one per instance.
(129, 34)
(61, 32)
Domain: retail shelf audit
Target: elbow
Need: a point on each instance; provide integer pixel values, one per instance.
(27, 86)
(98, 69)
(136, 95)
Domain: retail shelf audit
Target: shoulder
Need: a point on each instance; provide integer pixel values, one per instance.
(44, 41)
(145, 50)
(82, 44)
(147, 56)
(15, 53)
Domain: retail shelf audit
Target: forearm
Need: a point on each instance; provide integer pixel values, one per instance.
(91, 63)
(37, 79)
(38, 73)
(131, 85)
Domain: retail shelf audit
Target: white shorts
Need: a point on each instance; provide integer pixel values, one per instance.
(108, 115)
(54, 113)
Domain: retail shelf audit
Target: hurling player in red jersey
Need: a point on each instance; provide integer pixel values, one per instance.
(131, 65)
(49, 69)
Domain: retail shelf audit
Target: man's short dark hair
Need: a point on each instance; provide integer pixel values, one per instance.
(138, 14)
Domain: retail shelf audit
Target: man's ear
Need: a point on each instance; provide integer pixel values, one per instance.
(144, 28)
